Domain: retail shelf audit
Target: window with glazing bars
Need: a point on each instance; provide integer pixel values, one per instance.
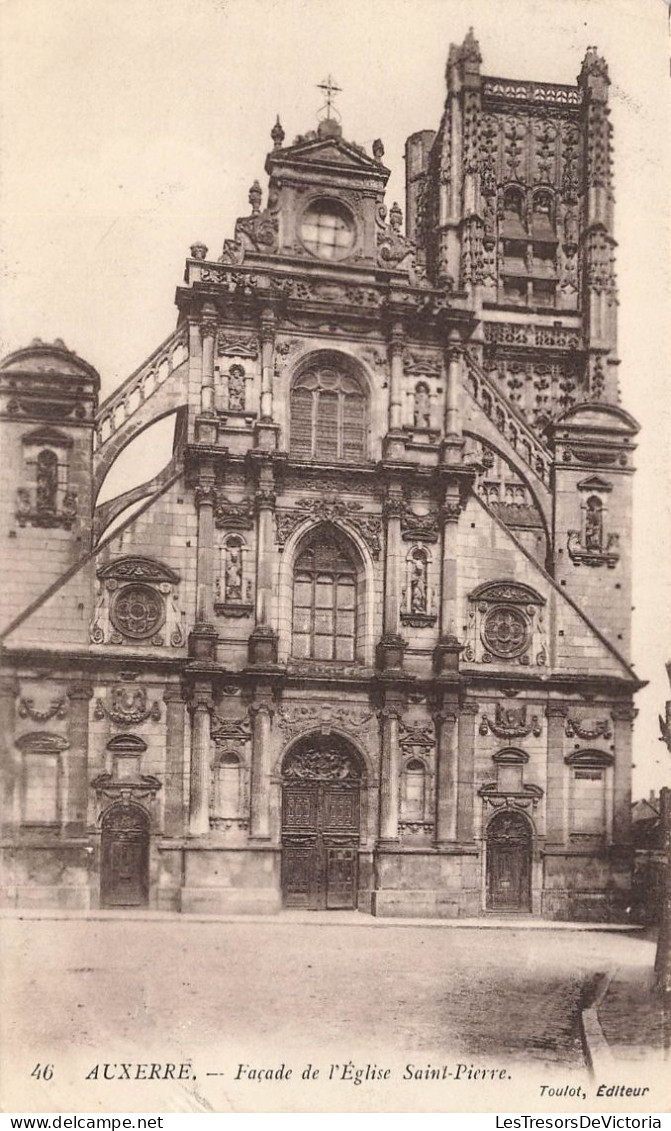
(328, 416)
(324, 611)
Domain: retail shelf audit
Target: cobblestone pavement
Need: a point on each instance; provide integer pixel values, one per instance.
(632, 1015)
(229, 993)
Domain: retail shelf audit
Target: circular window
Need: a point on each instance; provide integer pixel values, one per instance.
(505, 632)
(327, 230)
(137, 611)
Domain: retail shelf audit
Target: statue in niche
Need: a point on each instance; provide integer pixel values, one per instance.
(418, 584)
(422, 406)
(594, 524)
(236, 388)
(233, 573)
(47, 482)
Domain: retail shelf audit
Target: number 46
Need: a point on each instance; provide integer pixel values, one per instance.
(43, 1071)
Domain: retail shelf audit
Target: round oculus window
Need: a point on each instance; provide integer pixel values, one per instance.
(505, 632)
(138, 611)
(327, 230)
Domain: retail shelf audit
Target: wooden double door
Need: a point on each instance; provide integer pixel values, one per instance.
(124, 874)
(509, 863)
(320, 840)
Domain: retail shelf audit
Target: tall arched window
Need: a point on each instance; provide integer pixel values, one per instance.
(328, 415)
(325, 599)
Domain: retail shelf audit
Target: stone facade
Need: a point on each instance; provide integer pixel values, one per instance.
(365, 640)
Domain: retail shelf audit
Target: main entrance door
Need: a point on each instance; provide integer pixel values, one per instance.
(509, 863)
(320, 826)
(124, 877)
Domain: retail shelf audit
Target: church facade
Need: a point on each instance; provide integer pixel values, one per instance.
(364, 642)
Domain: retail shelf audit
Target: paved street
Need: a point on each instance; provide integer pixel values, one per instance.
(79, 993)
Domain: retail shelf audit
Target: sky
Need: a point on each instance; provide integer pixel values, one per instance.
(129, 129)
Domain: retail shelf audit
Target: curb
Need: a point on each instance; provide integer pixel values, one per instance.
(598, 1055)
(315, 919)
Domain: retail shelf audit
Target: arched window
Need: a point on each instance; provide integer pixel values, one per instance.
(325, 599)
(328, 415)
(227, 791)
(413, 791)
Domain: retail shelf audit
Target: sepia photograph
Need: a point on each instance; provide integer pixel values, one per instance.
(335, 689)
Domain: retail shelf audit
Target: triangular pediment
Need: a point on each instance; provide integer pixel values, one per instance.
(330, 152)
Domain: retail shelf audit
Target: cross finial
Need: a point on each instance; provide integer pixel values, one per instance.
(330, 90)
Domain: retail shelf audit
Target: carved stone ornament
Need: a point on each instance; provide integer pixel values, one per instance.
(328, 508)
(601, 728)
(138, 569)
(511, 722)
(416, 736)
(580, 554)
(233, 515)
(107, 787)
(419, 527)
(128, 706)
(506, 621)
(57, 709)
(237, 345)
(137, 611)
(295, 718)
(526, 798)
(320, 764)
(224, 731)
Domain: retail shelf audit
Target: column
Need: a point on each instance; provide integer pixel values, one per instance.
(173, 803)
(389, 774)
(267, 363)
(556, 800)
(201, 756)
(265, 506)
(449, 514)
(205, 496)
(262, 715)
(208, 329)
(466, 773)
(447, 760)
(623, 716)
(79, 695)
(452, 450)
(392, 512)
(9, 689)
(396, 342)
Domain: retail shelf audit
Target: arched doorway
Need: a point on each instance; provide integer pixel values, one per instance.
(509, 863)
(124, 873)
(321, 781)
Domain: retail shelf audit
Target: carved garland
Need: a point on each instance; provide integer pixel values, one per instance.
(128, 706)
(511, 722)
(57, 709)
(327, 509)
(576, 728)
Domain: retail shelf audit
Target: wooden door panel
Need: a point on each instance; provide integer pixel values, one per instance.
(124, 880)
(299, 875)
(341, 877)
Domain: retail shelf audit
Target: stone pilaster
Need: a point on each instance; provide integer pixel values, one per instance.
(390, 716)
(80, 695)
(208, 330)
(262, 715)
(173, 812)
(446, 653)
(623, 716)
(201, 755)
(396, 342)
(447, 772)
(9, 689)
(453, 442)
(205, 500)
(390, 648)
(263, 640)
(267, 365)
(466, 774)
(556, 801)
